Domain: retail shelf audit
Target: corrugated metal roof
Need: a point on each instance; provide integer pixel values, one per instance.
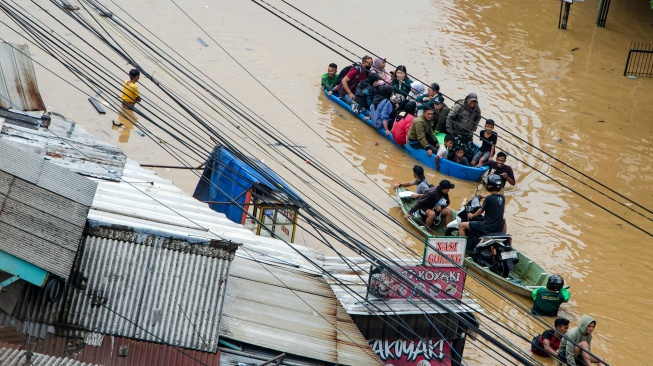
(174, 297)
(138, 353)
(18, 79)
(41, 219)
(143, 202)
(67, 144)
(12, 356)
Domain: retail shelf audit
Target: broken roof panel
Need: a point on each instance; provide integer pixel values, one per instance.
(41, 219)
(18, 80)
(67, 144)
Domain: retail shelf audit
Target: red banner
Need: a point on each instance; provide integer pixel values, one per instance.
(439, 282)
(413, 352)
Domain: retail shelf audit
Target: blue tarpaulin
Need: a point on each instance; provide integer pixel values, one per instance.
(227, 178)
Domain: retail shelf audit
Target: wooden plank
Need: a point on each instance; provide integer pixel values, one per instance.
(97, 105)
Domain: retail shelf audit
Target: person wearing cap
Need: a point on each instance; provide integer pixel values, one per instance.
(432, 94)
(433, 204)
(420, 181)
(462, 122)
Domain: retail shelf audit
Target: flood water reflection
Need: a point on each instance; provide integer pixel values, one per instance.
(560, 92)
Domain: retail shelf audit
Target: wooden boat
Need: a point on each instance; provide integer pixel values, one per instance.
(446, 166)
(526, 276)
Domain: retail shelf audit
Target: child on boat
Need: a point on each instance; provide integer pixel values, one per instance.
(443, 151)
(459, 156)
(489, 140)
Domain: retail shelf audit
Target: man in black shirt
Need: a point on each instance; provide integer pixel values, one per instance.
(493, 207)
(500, 168)
(433, 204)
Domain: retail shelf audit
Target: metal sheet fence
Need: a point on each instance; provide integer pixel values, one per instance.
(640, 60)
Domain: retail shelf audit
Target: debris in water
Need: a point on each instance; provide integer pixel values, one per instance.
(600, 120)
(631, 77)
(559, 140)
(575, 49)
(201, 41)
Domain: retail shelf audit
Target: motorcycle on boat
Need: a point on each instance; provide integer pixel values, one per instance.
(492, 250)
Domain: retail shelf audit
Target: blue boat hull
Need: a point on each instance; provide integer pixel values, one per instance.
(446, 166)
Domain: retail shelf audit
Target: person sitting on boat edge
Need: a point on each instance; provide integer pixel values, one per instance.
(417, 90)
(443, 151)
(381, 109)
(462, 122)
(353, 75)
(420, 134)
(459, 156)
(488, 141)
(500, 168)
(433, 94)
(402, 123)
(365, 93)
(378, 67)
(577, 343)
(493, 207)
(401, 82)
(433, 204)
(130, 95)
(547, 300)
(548, 343)
(329, 78)
(420, 181)
(441, 112)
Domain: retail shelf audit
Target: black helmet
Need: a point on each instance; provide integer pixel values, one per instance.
(555, 283)
(494, 183)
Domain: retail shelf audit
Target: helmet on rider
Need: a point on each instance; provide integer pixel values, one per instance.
(494, 183)
(555, 283)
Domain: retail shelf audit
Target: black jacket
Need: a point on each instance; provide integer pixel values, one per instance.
(430, 199)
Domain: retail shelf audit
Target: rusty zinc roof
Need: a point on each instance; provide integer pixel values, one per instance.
(13, 356)
(18, 87)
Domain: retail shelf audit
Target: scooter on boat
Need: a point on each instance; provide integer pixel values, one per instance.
(493, 250)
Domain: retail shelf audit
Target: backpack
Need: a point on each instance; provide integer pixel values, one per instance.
(346, 69)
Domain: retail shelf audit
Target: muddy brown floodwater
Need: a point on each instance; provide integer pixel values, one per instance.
(561, 91)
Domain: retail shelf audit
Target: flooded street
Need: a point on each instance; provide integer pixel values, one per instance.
(553, 93)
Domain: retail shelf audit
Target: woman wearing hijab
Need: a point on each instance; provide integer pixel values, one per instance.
(381, 108)
(378, 67)
(401, 83)
(416, 90)
(403, 122)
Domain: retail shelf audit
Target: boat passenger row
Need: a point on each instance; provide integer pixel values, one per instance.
(412, 114)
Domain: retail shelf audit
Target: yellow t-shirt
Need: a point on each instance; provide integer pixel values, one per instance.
(130, 92)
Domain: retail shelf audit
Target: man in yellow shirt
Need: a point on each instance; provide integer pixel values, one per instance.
(130, 94)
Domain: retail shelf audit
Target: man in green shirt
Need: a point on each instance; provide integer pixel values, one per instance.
(548, 300)
(330, 77)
